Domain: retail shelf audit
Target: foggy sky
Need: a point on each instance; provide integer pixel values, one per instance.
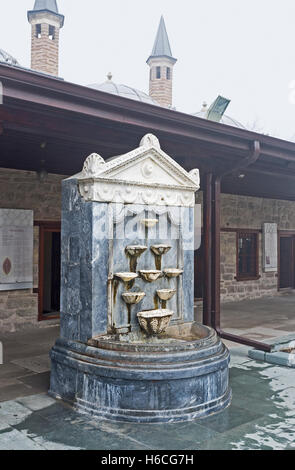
(241, 49)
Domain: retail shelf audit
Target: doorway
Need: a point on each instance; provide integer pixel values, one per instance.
(287, 261)
(49, 271)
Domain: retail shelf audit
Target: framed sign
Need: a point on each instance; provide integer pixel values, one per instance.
(270, 247)
(16, 249)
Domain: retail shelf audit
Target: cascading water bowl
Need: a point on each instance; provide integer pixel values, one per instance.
(129, 348)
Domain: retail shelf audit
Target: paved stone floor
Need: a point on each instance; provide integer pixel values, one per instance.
(260, 319)
(261, 415)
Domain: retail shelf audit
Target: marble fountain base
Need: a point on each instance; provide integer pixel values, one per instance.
(179, 376)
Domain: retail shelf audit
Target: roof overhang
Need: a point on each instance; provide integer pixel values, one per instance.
(159, 57)
(33, 13)
(75, 120)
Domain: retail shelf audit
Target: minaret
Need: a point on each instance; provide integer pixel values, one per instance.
(161, 64)
(46, 23)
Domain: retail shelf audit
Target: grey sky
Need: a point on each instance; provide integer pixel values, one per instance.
(242, 49)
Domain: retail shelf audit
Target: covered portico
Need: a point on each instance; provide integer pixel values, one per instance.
(47, 123)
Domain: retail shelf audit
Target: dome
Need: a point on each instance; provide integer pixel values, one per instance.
(122, 90)
(7, 58)
(224, 120)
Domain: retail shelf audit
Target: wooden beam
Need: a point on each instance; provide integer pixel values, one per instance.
(207, 240)
(28, 89)
(215, 307)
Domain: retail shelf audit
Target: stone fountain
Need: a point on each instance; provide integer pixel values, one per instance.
(129, 348)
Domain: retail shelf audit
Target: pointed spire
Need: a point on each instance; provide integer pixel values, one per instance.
(162, 44)
(49, 5)
(161, 63)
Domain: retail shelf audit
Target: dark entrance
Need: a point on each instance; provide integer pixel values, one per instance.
(287, 262)
(49, 271)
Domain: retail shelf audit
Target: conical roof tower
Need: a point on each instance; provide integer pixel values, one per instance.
(46, 23)
(161, 63)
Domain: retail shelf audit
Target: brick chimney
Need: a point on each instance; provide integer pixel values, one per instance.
(161, 65)
(46, 23)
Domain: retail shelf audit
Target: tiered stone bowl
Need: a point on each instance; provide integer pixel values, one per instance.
(160, 250)
(150, 275)
(155, 322)
(133, 298)
(179, 376)
(166, 294)
(126, 277)
(172, 272)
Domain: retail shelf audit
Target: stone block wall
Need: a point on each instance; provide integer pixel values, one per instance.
(23, 190)
(240, 212)
(252, 212)
(230, 288)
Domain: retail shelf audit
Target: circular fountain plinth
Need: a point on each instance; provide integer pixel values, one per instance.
(178, 377)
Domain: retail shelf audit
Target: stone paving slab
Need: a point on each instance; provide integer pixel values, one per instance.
(268, 331)
(10, 370)
(267, 433)
(11, 392)
(15, 440)
(36, 364)
(36, 402)
(39, 382)
(13, 413)
(4, 425)
(276, 356)
(7, 382)
(18, 351)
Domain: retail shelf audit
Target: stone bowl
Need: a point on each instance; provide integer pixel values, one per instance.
(160, 249)
(166, 294)
(149, 222)
(135, 250)
(126, 277)
(150, 276)
(154, 322)
(172, 272)
(133, 297)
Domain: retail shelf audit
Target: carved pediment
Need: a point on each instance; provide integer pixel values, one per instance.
(146, 175)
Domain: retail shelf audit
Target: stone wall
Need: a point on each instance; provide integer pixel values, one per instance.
(250, 213)
(23, 190)
(240, 212)
(230, 288)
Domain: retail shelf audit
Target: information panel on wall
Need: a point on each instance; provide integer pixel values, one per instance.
(16, 249)
(270, 247)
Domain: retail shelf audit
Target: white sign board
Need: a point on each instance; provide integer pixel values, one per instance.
(16, 249)
(270, 247)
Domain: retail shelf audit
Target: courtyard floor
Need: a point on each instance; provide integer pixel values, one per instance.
(261, 415)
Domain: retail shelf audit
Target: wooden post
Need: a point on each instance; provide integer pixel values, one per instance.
(207, 224)
(215, 285)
